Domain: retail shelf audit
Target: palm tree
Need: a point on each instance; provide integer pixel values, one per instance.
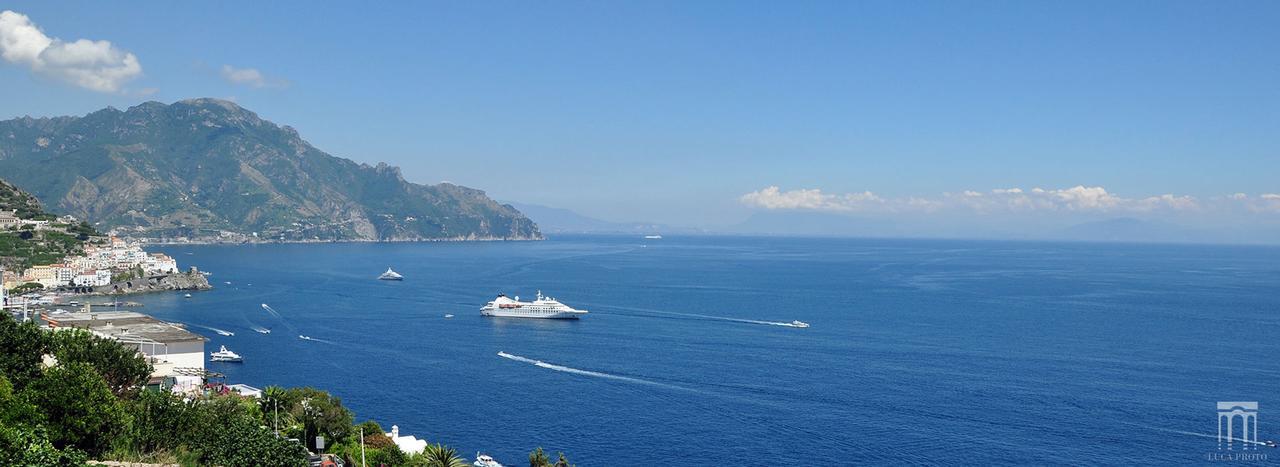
(438, 455)
(537, 458)
(563, 462)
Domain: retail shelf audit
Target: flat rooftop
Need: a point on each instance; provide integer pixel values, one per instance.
(123, 326)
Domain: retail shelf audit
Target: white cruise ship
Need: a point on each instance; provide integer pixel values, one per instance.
(543, 307)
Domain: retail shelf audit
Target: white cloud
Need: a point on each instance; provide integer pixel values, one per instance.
(250, 77)
(95, 65)
(1075, 199)
(774, 198)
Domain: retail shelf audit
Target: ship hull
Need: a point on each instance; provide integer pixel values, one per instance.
(516, 314)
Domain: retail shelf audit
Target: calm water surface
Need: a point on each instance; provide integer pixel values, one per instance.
(919, 351)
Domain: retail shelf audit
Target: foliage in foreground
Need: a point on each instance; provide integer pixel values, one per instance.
(90, 406)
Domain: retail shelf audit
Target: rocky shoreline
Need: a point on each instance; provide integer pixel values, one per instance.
(192, 279)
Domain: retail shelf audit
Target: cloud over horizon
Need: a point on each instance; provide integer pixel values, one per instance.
(94, 65)
(1079, 199)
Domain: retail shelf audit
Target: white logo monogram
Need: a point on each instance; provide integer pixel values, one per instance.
(1247, 413)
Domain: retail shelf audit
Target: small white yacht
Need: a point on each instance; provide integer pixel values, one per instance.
(544, 307)
(224, 355)
(186, 296)
(390, 276)
(799, 324)
(483, 460)
(653, 237)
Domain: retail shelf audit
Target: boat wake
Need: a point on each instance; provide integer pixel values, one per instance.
(316, 339)
(793, 324)
(276, 314)
(1192, 433)
(596, 374)
(211, 328)
(272, 311)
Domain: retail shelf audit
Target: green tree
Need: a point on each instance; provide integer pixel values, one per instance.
(538, 458)
(25, 446)
(321, 414)
(240, 441)
(22, 345)
(81, 409)
(123, 368)
(276, 406)
(438, 455)
(15, 410)
(162, 421)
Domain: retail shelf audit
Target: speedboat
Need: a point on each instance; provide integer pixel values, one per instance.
(390, 276)
(263, 331)
(187, 296)
(799, 324)
(483, 460)
(305, 338)
(448, 316)
(224, 355)
(653, 237)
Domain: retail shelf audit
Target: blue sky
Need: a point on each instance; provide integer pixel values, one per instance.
(673, 111)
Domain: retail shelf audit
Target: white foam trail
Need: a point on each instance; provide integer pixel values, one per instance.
(275, 313)
(696, 315)
(309, 338)
(1192, 433)
(219, 331)
(272, 311)
(597, 374)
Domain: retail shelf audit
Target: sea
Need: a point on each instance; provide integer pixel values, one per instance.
(918, 351)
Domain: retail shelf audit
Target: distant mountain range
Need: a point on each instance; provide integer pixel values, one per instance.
(208, 167)
(566, 221)
(1123, 229)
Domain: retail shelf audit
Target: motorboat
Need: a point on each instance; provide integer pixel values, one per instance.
(224, 355)
(483, 460)
(799, 324)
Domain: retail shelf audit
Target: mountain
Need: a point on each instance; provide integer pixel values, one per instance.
(207, 167)
(566, 221)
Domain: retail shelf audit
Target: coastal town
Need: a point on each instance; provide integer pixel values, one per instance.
(104, 259)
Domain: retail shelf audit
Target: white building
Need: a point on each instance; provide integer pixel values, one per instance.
(63, 273)
(246, 390)
(160, 263)
(408, 444)
(9, 219)
(176, 354)
(92, 278)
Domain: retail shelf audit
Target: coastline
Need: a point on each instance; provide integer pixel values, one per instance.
(147, 241)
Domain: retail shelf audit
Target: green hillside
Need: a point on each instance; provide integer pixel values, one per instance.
(199, 167)
(23, 247)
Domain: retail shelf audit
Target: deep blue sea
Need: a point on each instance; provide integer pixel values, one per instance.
(920, 351)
